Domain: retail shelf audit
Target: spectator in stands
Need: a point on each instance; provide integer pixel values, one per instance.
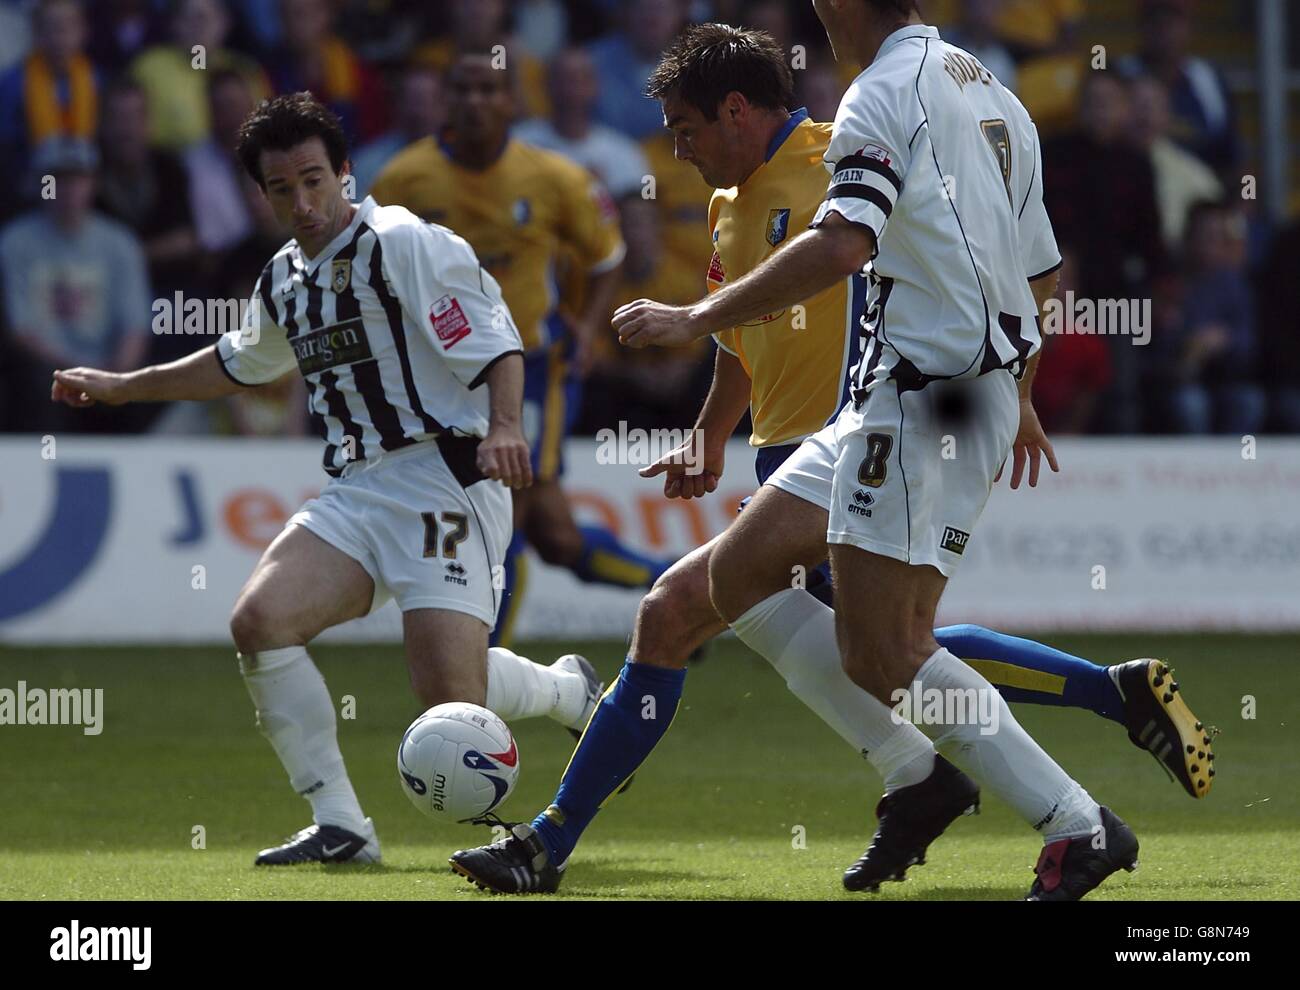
(818, 87)
(1211, 359)
(217, 201)
(625, 59)
(542, 27)
(419, 112)
(772, 16)
(1075, 370)
(1101, 196)
(315, 58)
(15, 34)
(1203, 118)
(1035, 28)
(53, 92)
(1279, 328)
(654, 387)
(1182, 179)
(76, 290)
(119, 31)
(482, 26)
(977, 32)
(147, 191)
(177, 90)
(573, 132)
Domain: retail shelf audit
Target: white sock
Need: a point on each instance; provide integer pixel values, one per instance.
(519, 688)
(296, 714)
(1001, 755)
(795, 633)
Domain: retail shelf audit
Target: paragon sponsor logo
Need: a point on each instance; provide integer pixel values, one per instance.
(954, 540)
(56, 706)
(342, 343)
(77, 944)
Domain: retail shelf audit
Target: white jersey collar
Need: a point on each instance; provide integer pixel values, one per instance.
(906, 34)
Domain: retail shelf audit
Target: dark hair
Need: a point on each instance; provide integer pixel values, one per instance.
(286, 122)
(707, 61)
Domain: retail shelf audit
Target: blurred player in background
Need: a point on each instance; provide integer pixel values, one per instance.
(414, 376)
(724, 94)
(520, 207)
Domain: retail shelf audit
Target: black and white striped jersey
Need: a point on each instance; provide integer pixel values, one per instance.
(393, 326)
(942, 163)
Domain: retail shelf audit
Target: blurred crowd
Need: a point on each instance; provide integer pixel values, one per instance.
(130, 109)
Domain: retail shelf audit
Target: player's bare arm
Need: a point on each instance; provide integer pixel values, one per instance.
(706, 447)
(503, 454)
(1031, 442)
(812, 262)
(601, 288)
(197, 376)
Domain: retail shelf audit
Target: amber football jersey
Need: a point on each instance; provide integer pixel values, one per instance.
(518, 214)
(798, 359)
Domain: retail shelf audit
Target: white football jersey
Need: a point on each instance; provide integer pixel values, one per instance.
(942, 163)
(393, 326)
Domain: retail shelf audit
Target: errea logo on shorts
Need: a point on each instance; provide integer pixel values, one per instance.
(954, 540)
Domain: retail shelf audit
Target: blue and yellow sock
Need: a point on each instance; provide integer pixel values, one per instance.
(515, 574)
(1025, 671)
(605, 560)
(630, 720)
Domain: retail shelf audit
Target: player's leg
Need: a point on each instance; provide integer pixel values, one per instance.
(301, 586)
(756, 576)
(677, 617)
(437, 535)
(890, 564)
(673, 620)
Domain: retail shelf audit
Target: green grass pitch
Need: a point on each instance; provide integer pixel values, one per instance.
(717, 812)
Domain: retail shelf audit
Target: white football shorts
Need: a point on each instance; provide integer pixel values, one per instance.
(427, 528)
(907, 475)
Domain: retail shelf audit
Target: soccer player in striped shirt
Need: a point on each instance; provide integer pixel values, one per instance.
(414, 374)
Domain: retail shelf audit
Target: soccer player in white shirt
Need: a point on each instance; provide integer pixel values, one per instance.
(414, 374)
(936, 190)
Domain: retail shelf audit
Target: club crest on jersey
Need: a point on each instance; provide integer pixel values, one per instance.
(778, 225)
(449, 321)
(522, 212)
(340, 275)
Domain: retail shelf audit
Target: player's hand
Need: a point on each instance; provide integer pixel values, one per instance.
(691, 470)
(503, 456)
(1030, 445)
(81, 387)
(645, 323)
